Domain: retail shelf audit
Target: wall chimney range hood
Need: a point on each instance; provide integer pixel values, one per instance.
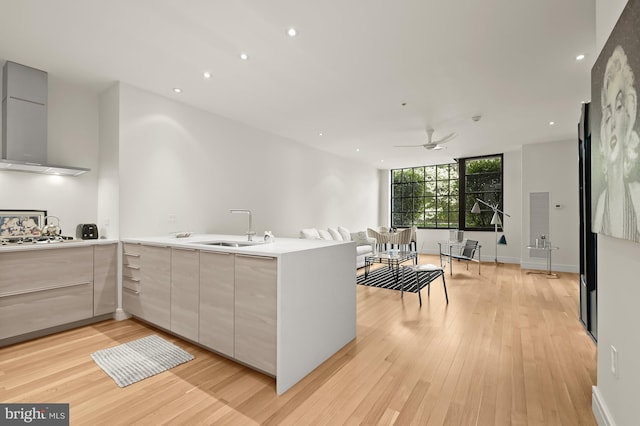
(24, 122)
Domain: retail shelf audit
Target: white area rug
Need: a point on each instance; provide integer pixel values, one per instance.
(131, 362)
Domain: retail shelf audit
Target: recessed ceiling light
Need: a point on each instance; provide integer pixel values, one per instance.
(382, 161)
(357, 149)
(579, 57)
(177, 90)
(244, 56)
(551, 123)
(320, 134)
(291, 32)
(206, 74)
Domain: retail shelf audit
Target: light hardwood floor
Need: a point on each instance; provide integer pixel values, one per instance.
(507, 350)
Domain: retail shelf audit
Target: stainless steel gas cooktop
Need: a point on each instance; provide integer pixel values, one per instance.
(39, 239)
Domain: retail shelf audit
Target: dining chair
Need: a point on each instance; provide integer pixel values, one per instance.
(381, 239)
(402, 239)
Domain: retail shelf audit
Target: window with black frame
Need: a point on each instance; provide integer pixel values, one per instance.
(426, 196)
(430, 196)
(482, 178)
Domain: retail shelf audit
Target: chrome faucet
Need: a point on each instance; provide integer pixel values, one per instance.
(250, 232)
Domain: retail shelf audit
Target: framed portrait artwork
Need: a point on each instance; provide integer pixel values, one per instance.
(615, 123)
(21, 223)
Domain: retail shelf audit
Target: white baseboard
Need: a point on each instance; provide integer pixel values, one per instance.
(554, 266)
(600, 410)
(121, 315)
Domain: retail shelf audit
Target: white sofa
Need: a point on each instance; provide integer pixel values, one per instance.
(365, 246)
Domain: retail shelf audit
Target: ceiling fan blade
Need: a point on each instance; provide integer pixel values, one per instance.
(409, 146)
(447, 138)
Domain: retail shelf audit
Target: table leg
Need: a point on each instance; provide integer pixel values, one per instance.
(395, 268)
(444, 284)
(549, 273)
(418, 286)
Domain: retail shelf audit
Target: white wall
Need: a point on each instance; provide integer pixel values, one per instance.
(180, 161)
(73, 141)
(553, 168)
(618, 294)
(108, 173)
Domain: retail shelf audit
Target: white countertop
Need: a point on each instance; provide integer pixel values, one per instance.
(260, 248)
(55, 245)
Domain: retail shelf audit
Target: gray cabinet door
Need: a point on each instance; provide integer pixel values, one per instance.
(255, 312)
(155, 285)
(104, 279)
(185, 281)
(217, 287)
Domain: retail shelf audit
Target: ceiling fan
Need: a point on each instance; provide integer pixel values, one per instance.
(432, 144)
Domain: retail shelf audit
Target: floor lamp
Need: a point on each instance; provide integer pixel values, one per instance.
(495, 221)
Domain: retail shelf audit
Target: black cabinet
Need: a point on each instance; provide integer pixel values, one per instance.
(588, 240)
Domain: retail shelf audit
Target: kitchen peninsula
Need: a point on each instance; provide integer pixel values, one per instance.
(280, 307)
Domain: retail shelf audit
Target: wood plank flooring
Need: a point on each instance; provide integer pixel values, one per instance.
(507, 350)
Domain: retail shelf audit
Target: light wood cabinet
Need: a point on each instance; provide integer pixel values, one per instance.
(256, 311)
(131, 261)
(44, 288)
(217, 287)
(105, 259)
(185, 282)
(226, 302)
(146, 279)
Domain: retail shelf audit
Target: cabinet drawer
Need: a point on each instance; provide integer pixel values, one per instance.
(131, 301)
(131, 271)
(132, 284)
(131, 251)
(24, 271)
(131, 260)
(30, 311)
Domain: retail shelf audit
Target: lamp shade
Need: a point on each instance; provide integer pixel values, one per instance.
(476, 208)
(495, 220)
(502, 240)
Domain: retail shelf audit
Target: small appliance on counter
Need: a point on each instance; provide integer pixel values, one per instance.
(87, 231)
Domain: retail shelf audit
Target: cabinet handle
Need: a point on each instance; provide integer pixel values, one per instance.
(131, 254)
(35, 290)
(130, 290)
(135, 280)
(255, 257)
(183, 249)
(136, 267)
(224, 253)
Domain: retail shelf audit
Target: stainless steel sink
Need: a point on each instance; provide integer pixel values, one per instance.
(227, 243)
